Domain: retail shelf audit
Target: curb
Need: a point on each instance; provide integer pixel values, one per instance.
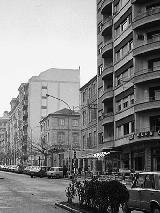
(67, 208)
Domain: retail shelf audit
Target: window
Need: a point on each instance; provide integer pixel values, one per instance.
(132, 126)
(131, 71)
(61, 137)
(132, 99)
(83, 141)
(100, 47)
(124, 50)
(94, 89)
(100, 92)
(99, 27)
(84, 117)
(75, 137)
(43, 107)
(117, 7)
(75, 122)
(125, 75)
(130, 18)
(84, 96)
(119, 132)
(94, 139)
(119, 106)
(90, 92)
(100, 70)
(48, 137)
(100, 138)
(125, 104)
(131, 45)
(124, 25)
(119, 80)
(61, 122)
(117, 31)
(126, 128)
(140, 37)
(118, 55)
(44, 87)
(43, 112)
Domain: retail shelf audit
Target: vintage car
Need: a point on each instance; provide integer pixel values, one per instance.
(55, 172)
(39, 171)
(144, 194)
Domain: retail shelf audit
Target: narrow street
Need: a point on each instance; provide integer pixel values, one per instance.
(21, 194)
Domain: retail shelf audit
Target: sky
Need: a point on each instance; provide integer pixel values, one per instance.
(36, 35)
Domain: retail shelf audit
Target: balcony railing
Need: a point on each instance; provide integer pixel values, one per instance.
(148, 103)
(107, 23)
(149, 12)
(148, 70)
(148, 46)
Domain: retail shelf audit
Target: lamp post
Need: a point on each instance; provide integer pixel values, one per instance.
(69, 149)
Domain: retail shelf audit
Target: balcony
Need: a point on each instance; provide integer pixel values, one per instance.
(106, 25)
(106, 71)
(106, 5)
(108, 93)
(149, 104)
(146, 75)
(151, 45)
(108, 118)
(148, 18)
(108, 46)
(138, 136)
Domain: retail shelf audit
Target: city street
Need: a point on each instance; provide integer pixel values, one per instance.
(21, 194)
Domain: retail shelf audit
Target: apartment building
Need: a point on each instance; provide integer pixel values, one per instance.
(128, 36)
(3, 137)
(88, 104)
(60, 134)
(32, 105)
(14, 140)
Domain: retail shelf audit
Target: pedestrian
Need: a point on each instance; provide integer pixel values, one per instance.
(65, 170)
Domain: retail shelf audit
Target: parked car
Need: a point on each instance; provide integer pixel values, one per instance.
(38, 171)
(144, 193)
(27, 170)
(55, 172)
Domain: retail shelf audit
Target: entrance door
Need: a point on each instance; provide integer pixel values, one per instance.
(139, 163)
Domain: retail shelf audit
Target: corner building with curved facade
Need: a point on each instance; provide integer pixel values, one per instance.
(128, 54)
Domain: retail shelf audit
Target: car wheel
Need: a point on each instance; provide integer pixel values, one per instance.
(49, 177)
(31, 176)
(156, 209)
(125, 208)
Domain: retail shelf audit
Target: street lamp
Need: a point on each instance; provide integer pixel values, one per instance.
(69, 149)
(47, 95)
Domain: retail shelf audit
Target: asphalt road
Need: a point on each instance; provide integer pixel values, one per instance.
(21, 194)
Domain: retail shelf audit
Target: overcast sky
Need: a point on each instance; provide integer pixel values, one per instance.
(36, 35)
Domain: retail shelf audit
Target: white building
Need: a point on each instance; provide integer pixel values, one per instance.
(63, 84)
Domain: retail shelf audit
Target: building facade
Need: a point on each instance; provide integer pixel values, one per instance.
(88, 105)
(60, 132)
(3, 137)
(128, 37)
(32, 105)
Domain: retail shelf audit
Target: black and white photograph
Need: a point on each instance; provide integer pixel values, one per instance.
(80, 106)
